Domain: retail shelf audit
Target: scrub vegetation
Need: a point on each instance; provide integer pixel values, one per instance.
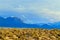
(29, 34)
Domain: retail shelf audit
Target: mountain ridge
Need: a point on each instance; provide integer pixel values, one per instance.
(18, 23)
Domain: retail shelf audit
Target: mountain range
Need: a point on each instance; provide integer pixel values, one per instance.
(15, 22)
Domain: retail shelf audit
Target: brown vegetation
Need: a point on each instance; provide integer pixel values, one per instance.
(29, 34)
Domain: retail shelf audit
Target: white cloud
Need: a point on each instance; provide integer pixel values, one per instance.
(55, 15)
(20, 8)
(45, 8)
(52, 12)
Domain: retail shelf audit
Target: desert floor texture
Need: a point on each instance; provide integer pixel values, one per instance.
(29, 34)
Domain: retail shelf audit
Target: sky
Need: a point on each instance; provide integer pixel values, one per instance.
(31, 11)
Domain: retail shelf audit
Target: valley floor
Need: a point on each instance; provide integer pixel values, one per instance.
(29, 34)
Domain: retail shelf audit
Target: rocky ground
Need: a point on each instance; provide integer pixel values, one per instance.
(29, 34)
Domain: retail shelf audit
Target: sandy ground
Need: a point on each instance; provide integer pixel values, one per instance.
(29, 34)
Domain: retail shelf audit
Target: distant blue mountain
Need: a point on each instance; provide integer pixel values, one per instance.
(46, 26)
(56, 25)
(15, 22)
(2, 21)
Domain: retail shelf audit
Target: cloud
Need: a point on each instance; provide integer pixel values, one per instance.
(48, 9)
(51, 14)
(20, 8)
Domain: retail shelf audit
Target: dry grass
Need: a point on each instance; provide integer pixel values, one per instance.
(29, 34)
